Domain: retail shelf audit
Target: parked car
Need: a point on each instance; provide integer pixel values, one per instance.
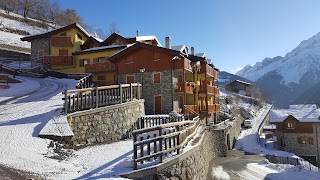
(247, 123)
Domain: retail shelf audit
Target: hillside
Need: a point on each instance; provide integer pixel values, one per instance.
(14, 26)
(225, 78)
(285, 80)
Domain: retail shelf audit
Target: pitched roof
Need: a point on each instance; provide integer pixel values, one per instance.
(99, 49)
(242, 82)
(144, 45)
(55, 31)
(130, 40)
(302, 115)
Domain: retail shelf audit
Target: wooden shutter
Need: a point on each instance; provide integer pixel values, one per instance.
(156, 77)
(81, 62)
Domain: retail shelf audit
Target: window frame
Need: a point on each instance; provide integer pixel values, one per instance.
(154, 74)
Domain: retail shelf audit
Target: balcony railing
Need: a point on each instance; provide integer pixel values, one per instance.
(211, 108)
(61, 41)
(100, 67)
(183, 64)
(205, 68)
(188, 87)
(58, 60)
(208, 88)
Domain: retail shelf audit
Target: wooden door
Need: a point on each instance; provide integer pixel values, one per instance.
(157, 105)
(130, 79)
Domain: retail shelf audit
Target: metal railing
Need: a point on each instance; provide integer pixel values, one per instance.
(154, 144)
(90, 98)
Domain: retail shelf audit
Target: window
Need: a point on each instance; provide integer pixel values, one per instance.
(40, 53)
(79, 36)
(156, 78)
(305, 140)
(84, 62)
(290, 125)
(101, 59)
(130, 79)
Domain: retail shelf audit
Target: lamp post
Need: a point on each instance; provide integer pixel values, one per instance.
(142, 70)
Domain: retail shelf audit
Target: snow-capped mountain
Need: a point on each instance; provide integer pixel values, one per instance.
(287, 78)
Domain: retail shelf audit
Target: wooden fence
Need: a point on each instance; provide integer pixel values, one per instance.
(84, 82)
(151, 145)
(150, 121)
(89, 98)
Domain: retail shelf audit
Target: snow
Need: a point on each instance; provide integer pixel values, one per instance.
(27, 107)
(301, 60)
(248, 139)
(302, 114)
(146, 38)
(219, 173)
(14, 39)
(58, 126)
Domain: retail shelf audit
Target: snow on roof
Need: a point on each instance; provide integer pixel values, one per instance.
(178, 48)
(240, 82)
(96, 38)
(103, 48)
(146, 38)
(300, 106)
(203, 55)
(302, 115)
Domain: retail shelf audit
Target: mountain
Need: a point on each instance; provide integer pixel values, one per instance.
(286, 80)
(225, 78)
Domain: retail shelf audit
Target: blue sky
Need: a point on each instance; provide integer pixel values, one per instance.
(232, 33)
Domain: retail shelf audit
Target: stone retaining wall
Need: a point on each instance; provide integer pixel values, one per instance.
(106, 124)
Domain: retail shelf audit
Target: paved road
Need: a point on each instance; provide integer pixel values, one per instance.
(235, 164)
(23, 103)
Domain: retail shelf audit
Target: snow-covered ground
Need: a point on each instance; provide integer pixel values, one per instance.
(25, 108)
(12, 38)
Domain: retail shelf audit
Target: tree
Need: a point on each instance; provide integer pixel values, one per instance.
(26, 6)
(8, 5)
(113, 28)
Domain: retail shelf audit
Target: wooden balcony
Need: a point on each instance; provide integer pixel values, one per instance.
(103, 82)
(183, 64)
(211, 108)
(187, 87)
(203, 89)
(100, 67)
(61, 41)
(205, 68)
(58, 60)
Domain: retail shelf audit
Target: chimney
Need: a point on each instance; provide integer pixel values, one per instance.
(168, 42)
(138, 32)
(192, 50)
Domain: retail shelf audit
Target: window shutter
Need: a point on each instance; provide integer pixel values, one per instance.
(95, 60)
(156, 77)
(81, 62)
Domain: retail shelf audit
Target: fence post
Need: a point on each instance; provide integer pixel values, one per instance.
(65, 103)
(135, 153)
(160, 144)
(121, 92)
(138, 91)
(131, 92)
(97, 97)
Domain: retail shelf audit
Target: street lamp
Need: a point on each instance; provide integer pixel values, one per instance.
(142, 70)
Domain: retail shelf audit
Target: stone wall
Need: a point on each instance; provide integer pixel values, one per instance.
(40, 44)
(106, 124)
(194, 164)
(165, 89)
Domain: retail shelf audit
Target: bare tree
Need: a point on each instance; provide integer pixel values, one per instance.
(113, 28)
(100, 33)
(54, 10)
(26, 6)
(9, 5)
